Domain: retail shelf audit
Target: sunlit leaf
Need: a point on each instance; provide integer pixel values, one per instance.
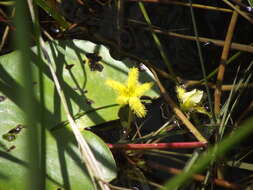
(89, 100)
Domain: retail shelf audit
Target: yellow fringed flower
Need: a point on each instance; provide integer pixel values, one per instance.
(130, 92)
(191, 101)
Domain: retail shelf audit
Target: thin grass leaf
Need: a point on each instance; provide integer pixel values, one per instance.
(157, 41)
(54, 13)
(250, 2)
(201, 59)
(234, 98)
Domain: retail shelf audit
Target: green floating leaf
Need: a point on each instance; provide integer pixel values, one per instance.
(89, 100)
(64, 167)
(63, 150)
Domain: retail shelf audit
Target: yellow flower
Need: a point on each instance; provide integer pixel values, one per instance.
(130, 92)
(191, 101)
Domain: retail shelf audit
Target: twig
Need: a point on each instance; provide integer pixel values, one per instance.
(178, 112)
(224, 57)
(185, 4)
(224, 87)
(236, 46)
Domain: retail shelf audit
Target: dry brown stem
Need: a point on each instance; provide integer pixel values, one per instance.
(224, 57)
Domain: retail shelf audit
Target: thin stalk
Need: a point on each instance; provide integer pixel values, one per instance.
(157, 41)
(120, 21)
(224, 57)
(201, 61)
(225, 87)
(235, 46)
(192, 160)
(230, 60)
(200, 6)
(127, 129)
(174, 145)
(206, 180)
(130, 119)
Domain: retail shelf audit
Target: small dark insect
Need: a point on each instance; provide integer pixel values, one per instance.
(9, 137)
(93, 60)
(89, 101)
(96, 67)
(16, 130)
(34, 82)
(93, 57)
(85, 91)
(69, 66)
(2, 98)
(11, 148)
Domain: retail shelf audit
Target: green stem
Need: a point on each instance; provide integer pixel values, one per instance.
(130, 119)
(127, 127)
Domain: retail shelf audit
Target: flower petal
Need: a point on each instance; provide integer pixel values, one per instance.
(180, 93)
(122, 100)
(202, 110)
(195, 96)
(117, 86)
(132, 80)
(141, 89)
(137, 107)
